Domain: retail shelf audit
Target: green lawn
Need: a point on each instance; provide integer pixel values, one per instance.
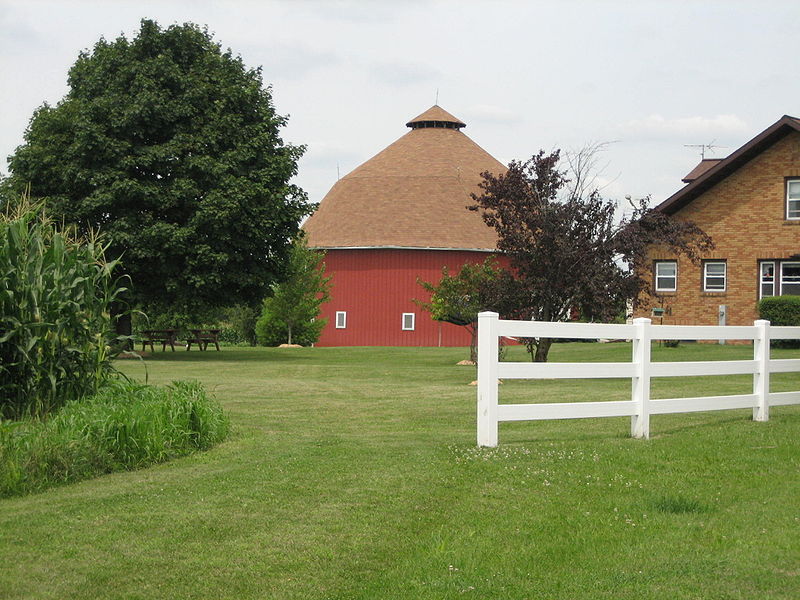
(353, 473)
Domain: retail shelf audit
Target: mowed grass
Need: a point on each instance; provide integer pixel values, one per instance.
(353, 473)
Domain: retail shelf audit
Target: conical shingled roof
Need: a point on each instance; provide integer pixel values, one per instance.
(413, 194)
(435, 114)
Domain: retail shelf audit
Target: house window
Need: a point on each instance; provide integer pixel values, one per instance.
(793, 199)
(408, 321)
(714, 276)
(767, 279)
(341, 319)
(790, 278)
(666, 276)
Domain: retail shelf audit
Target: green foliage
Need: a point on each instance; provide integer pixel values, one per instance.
(290, 314)
(173, 148)
(781, 310)
(125, 426)
(459, 298)
(55, 291)
(271, 331)
(242, 320)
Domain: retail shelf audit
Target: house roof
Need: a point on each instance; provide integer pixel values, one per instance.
(413, 194)
(703, 166)
(719, 171)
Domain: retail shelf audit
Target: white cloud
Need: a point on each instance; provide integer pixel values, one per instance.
(688, 129)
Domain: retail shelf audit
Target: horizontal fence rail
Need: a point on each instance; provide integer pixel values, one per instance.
(641, 332)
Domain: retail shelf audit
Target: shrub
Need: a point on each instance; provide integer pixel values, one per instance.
(781, 310)
(125, 426)
(271, 330)
(56, 289)
(242, 319)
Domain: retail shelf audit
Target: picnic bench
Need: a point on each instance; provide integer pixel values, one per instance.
(159, 336)
(202, 337)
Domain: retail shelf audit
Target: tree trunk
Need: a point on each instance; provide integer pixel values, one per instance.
(473, 343)
(542, 349)
(290, 332)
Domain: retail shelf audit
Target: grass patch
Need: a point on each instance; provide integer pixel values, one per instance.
(352, 473)
(678, 505)
(125, 426)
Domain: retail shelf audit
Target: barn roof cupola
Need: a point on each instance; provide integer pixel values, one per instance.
(435, 116)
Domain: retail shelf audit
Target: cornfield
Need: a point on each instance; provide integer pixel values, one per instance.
(56, 288)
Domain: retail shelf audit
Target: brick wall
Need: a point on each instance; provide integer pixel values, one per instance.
(745, 216)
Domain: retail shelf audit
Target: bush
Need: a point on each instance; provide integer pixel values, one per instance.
(56, 289)
(781, 310)
(271, 331)
(125, 426)
(242, 320)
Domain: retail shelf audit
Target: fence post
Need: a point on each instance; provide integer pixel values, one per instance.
(487, 379)
(640, 392)
(761, 376)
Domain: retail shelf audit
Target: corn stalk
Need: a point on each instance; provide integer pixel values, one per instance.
(55, 291)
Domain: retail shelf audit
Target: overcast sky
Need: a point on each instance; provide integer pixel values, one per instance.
(649, 76)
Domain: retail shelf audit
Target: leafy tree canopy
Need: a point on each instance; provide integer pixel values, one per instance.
(566, 249)
(459, 298)
(291, 314)
(171, 147)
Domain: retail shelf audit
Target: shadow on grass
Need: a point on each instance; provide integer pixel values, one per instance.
(232, 355)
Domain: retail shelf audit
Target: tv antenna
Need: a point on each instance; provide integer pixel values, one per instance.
(711, 146)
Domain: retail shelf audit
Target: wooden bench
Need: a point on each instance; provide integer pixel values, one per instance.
(203, 337)
(165, 337)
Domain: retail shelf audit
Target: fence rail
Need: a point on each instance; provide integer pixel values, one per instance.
(640, 370)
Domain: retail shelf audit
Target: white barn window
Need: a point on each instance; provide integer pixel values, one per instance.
(341, 319)
(408, 322)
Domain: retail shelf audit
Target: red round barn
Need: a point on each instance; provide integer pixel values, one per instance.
(399, 217)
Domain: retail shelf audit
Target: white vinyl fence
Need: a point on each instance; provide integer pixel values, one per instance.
(639, 370)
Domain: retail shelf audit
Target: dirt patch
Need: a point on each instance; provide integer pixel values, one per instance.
(290, 346)
(466, 363)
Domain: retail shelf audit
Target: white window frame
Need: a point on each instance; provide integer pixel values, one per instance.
(783, 277)
(706, 276)
(412, 324)
(762, 281)
(341, 319)
(793, 199)
(658, 276)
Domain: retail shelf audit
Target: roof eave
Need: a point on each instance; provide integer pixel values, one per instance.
(390, 247)
(726, 166)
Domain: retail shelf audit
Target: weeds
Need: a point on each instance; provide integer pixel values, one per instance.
(125, 426)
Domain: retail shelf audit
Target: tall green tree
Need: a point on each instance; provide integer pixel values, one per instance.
(172, 148)
(458, 298)
(291, 314)
(566, 248)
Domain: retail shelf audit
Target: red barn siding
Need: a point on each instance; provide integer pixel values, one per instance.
(375, 287)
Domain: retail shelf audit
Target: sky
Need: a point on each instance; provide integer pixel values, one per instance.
(647, 78)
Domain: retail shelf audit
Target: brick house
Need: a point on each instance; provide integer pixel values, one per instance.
(749, 203)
